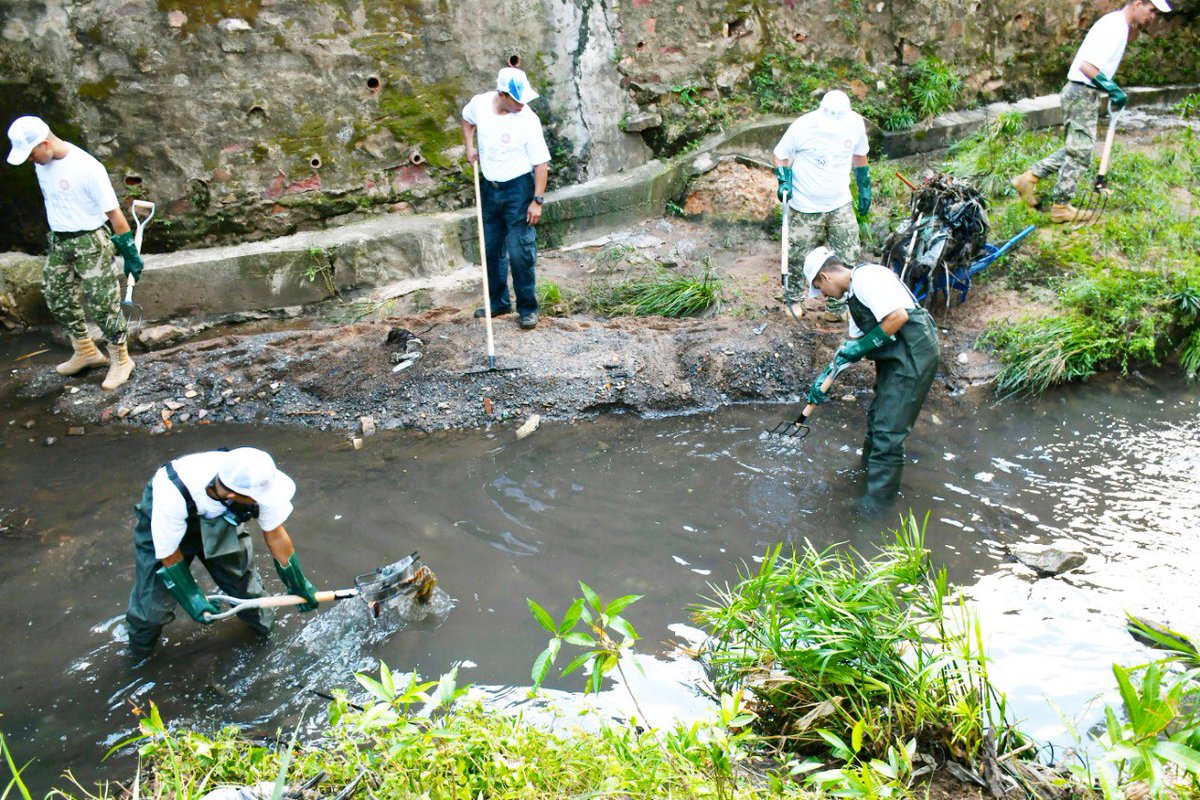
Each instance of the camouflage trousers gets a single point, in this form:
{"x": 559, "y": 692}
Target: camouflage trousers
{"x": 81, "y": 276}
{"x": 837, "y": 230}
{"x": 1081, "y": 110}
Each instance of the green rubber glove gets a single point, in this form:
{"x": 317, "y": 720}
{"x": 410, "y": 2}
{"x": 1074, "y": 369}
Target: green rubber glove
{"x": 815, "y": 395}
{"x": 862, "y": 177}
{"x": 854, "y": 349}
{"x": 179, "y": 581}
{"x": 784, "y": 175}
{"x": 133, "y": 261}
{"x": 1115, "y": 95}
{"x": 293, "y": 578}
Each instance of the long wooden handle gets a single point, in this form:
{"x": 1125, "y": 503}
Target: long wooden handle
{"x": 1108, "y": 143}
{"x": 906, "y": 181}
{"x": 487, "y": 294}
{"x": 283, "y": 600}
{"x": 811, "y": 407}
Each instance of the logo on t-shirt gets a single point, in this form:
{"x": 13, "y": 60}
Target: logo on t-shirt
{"x": 846, "y": 145}
{"x": 505, "y": 138}
{"x": 821, "y": 162}
{"x": 64, "y": 184}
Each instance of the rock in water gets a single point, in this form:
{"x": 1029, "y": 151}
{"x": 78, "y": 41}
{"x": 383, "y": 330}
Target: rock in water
{"x": 1049, "y": 560}
{"x": 529, "y": 427}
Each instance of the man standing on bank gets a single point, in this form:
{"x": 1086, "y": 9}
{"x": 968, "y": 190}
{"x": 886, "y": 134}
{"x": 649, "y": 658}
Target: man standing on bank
{"x": 196, "y": 507}
{"x": 887, "y": 326}
{"x": 1091, "y": 75}
{"x": 813, "y": 162}
{"x": 515, "y": 161}
{"x": 79, "y": 273}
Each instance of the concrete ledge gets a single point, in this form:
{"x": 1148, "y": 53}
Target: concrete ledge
{"x": 304, "y": 267}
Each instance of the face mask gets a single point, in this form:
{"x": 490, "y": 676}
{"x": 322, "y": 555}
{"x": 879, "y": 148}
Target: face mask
{"x": 240, "y": 513}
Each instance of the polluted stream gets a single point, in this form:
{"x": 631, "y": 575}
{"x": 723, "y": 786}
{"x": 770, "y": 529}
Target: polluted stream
{"x": 657, "y": 507}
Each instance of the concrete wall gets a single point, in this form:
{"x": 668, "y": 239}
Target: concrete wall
{"x": 250, "y": 119}
{"x": 292, "y": 270}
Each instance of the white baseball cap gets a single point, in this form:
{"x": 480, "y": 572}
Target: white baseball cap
{"x": 515, "y": 84}
{"x": 1162, "y": 5}
{"x": 25, "y": 134}
{"x": 250, "y": 471}
{"x": 812, "y": 265}
{"x": 835, "y": 103}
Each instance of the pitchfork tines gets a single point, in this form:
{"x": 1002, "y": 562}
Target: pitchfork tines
{"x": 1094, "y": 205}
{"x": 794, "y": 428}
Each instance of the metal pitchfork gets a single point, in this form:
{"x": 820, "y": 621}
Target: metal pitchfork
{"x": 784, "y": 269}
{"x": 381, "y": 589}
{"x": 796, "y": 427}
{"x": 1093, "y": 206}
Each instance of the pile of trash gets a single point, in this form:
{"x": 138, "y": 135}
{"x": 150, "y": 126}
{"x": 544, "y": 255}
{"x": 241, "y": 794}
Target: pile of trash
{"x": 947, "y": 229}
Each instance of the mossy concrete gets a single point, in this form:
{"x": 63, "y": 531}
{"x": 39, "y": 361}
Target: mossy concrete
{"x": 292, "y": 270}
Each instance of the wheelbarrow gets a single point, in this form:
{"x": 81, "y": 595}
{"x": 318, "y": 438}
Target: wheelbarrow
{"x": 959, "y": 280}
{"x": 383, "y": 588}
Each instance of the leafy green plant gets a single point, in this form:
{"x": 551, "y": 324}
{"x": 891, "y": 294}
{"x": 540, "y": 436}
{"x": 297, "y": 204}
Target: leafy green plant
{"x": 689, "y": 95}
{"x": 15, "y": 782}
{"x": 856, "y": 658}
{"x": 656, "y": 292}
{"x": 551, "y": 299}
{"x": 1188, "y": 107}
{"x": 600, "y": 621}
{"x": 1152, "y": 739}
{"x": 934, "y": 86}
{"x": 1189, "y": 355}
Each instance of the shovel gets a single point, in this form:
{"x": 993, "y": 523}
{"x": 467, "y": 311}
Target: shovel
{"x": 487, "y": 298}
{"x": 1093, "y": 206}
{"x": 380, "y": 589}
{"x": 796, "y": 427}
{"x": 140, "y": 223}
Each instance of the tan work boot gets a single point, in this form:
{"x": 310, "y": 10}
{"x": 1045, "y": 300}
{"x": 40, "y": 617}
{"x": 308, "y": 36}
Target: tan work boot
{"x": 86, "y": 355}
{"x": 119, "y": 367}
{"x": 1065, "y": 212}
{"x": 1026, "y": 186}
{"x": 836, "y": 316}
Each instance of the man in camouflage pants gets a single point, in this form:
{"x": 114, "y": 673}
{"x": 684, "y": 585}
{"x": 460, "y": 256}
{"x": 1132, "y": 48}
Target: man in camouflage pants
{"x": 1089, "y": 79}
{"x": 813, "y": 162}
{"x": 80, "y": 274}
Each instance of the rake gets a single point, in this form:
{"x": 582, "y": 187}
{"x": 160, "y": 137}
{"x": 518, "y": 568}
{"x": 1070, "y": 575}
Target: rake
{"x": 1095, "y": 203}
{"x": 383, "y": 588}
{"x": 796, "y": 428}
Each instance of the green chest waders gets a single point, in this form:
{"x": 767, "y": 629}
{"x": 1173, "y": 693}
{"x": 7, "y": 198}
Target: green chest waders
{"x": 904, "y": 371}
{"x": 223, "y": 548}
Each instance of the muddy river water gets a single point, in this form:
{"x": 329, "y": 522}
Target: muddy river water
{"x": 656, "y": 507}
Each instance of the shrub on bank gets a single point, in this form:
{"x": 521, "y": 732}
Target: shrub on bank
{"x": 1127, "y": 289}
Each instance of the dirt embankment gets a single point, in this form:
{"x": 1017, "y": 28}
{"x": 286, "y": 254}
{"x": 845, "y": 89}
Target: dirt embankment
{"x": 330, "y": 374}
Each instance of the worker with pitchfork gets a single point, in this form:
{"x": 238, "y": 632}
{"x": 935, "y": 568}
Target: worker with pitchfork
{"x": 79, "y": 272}
{"x": 888, "y": 326}
{"x": 1089, "y": 79}
{"x": 196, "y": 507}
{"x": 813, "y": 162}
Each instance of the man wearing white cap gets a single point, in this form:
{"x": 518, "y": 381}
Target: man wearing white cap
{"x": 813, "y": 162}
{"x": 513, "y": 156}
{"x": 196, "y": 507}
{"x": 889, "y": 327}
{"x": 1090, "y": 77}
{"x": 79, "y": 273}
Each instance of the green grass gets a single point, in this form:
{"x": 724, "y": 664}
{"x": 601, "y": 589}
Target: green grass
{"x": 862, "y": 655}
{"x": 1116, "y": 285}
{"x": 656, "y": 292}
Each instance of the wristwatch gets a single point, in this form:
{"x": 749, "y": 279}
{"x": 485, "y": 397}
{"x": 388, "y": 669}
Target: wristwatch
{"x": 539, "y": 199}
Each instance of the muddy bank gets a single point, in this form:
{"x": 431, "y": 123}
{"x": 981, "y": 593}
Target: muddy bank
{"x": 329, "y": 374}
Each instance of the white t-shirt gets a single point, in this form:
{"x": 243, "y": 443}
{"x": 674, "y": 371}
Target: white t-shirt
{"x": 1104, "y": 46}
{"x": 819, "y": 147}
{"x": 510, "y": 145}
{"x": 878, "y": 288}
{"x": 168, "y": 518}
{"x": 77, "y": 191}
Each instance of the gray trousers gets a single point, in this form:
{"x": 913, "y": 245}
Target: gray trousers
{"x": 151, "y": 604}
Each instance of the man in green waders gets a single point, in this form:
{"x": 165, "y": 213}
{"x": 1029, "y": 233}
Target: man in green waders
{"x": 889, "y": 327}
{"x": 196, "y": 507}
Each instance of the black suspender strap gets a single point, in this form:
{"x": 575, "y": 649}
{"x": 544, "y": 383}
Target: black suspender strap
{"x": 183, "y": 490}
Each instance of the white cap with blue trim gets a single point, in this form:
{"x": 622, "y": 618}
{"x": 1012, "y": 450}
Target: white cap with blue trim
{"x": 515, "y": 84}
